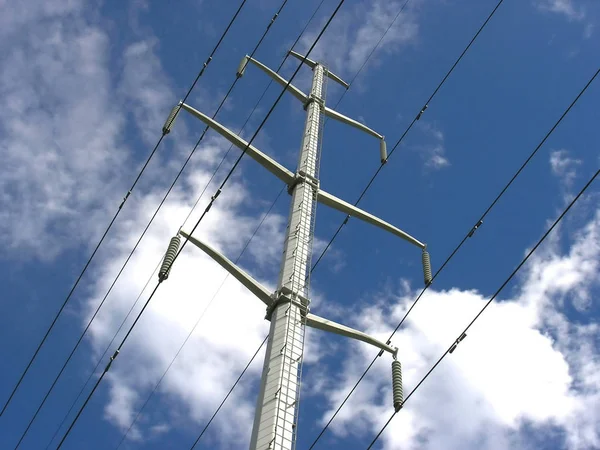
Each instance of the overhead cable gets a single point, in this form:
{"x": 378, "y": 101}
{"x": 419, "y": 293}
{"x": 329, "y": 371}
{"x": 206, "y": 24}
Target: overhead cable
{"x": 165, "y": 131}
{"x": 193, "y": 208}
{"x": 167, "y": 127}
{"x": 461, "y": 336}
{"x": 417, "y": 117}
{"x": 469, "y": 234}
{"x": 207, "y": 209}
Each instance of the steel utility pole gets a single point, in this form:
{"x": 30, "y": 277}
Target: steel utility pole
{"x": 288, "y": 308}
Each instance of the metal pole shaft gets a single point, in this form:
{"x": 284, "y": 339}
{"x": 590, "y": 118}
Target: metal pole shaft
{"x": 277, "y": 406}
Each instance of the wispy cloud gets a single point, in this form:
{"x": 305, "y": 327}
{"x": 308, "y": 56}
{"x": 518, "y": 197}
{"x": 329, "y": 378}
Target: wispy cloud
{"x": 431, "y": 147}
{"x": 356, "y": 31}
{"x": 60, "y": 133}
{"x": 566, "y": 8}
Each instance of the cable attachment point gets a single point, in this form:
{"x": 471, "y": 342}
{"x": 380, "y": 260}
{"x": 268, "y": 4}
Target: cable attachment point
{"x": 427, "y": 278}
{"x": 165, "y": 268}
{"x": 397, "y": 385}
{"x": 421, "y": 112}
{"x": 166, "y": 129}
{"x": 458, "y": 341}
{"x": 474, "y": 229}
{"x": 112, "y": 358}
{"x": 383, "y": 156}
{"x": 125, "y": 199}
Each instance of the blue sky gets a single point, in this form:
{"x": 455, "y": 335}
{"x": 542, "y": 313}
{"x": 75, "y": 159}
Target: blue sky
{"x": 85, "y": 88}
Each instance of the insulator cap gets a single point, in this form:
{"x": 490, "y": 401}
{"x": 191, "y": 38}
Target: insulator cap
{"x": 166, "y": 129}
{"x": 397, "y": 385}
{"x": 165, "y": 268}
{"x": 426, "y": 268}
{"x": 383, "y": 151}
{"x": 242, "y": 67}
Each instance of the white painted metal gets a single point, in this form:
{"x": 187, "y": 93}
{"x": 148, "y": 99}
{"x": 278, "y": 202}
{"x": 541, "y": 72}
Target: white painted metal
{"x": 287, "y": 309}
{"x": 310, "y": 63}
{"x": 345, "y": 207}
{"x": 253, "y": 286}
{"x": 282, "y": 81}
{"x": 274, "y": 424}
{"x": 266, "y": 161}
{"x": 337, "y": 328}
{"x": 348, "y": 121}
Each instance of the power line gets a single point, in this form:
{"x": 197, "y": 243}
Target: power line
{"x": 205, "y": 65}
{"x": 468, "y": 235}
{"x": 514, "y": 272}
{"x": 191, "y": 210}
{"x": 229, "y": 393}
{"x": 198, "y": 321}
{"x": 417, "y": 117}
{"x": 104, "y": 354}
{"x": 189, "y": 214}
{"x": 207, "y": 209}
{"x": 145, "y": 230}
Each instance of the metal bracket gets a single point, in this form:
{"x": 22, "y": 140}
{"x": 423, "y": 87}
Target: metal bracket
{"x": 314, "y": 99}
{"x": 286, "y": 295}
{"x": 303, "y": 177}
{"x": 337, "y": 328}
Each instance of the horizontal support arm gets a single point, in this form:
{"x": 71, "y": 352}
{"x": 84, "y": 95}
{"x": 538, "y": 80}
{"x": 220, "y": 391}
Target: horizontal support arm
{"x": 266, "y": 161}
{"x": 334, "y": 327}
{"x": 353, "y": 123}
{"x": 253, "y": 286}
{"x": 279, "y": 79}
{"x": 310, "y": 63}
{"x": 345, "y": 207}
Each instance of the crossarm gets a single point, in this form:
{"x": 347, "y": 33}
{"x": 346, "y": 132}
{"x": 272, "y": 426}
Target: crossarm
{"x": 253, "y": 286}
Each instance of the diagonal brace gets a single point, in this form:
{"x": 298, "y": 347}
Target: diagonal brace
{"x": 334, "y": 327}
{"x": 348, "y": 121}
{"x": 266, "y": 161}
{"x": 333, "y": 202}
{"x": 278, "y": 78}
{"x": 254, "y": 286}
{"x": 312, "y": 64}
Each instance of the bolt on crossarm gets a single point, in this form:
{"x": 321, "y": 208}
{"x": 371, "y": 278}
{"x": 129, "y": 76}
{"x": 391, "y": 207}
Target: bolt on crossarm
{"x": 288, "y": 307}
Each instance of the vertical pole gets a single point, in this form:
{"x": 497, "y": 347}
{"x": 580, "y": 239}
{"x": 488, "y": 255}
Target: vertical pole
{"x": 276, "y": 410}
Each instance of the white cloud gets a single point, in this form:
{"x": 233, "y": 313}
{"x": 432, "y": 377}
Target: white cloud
{"x": 567, "y": 8}
{"x": 432, "y": 150}
{"x": 523, "y": 362}
{"x": 231, "y": 329}
{"x": 564, "y": 166}
{"x": 355, "y": 32}
{"x": 60, "y": 134}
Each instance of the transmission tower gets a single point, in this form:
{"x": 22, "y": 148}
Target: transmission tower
{"x": 288, "y": 307}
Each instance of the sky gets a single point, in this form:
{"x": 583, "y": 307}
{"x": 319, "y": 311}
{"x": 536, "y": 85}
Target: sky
{"x": 85, "y": 88}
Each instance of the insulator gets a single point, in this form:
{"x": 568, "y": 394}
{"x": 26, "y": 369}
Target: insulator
{"x": 242, "y": 67}
{"x": 166, "y": 129}
{"x": 397, "y": 384}
{"x": 426, "y": 267}
{"x": 163, "y": 274}
{"x": 383, "y": 151}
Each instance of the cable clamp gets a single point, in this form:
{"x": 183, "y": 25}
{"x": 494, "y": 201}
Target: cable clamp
{"x": 477, "y": 225}
{"x": 125, "y": 199}
{"x": 458, "y": 341}
{"x": 421, "y": 112}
